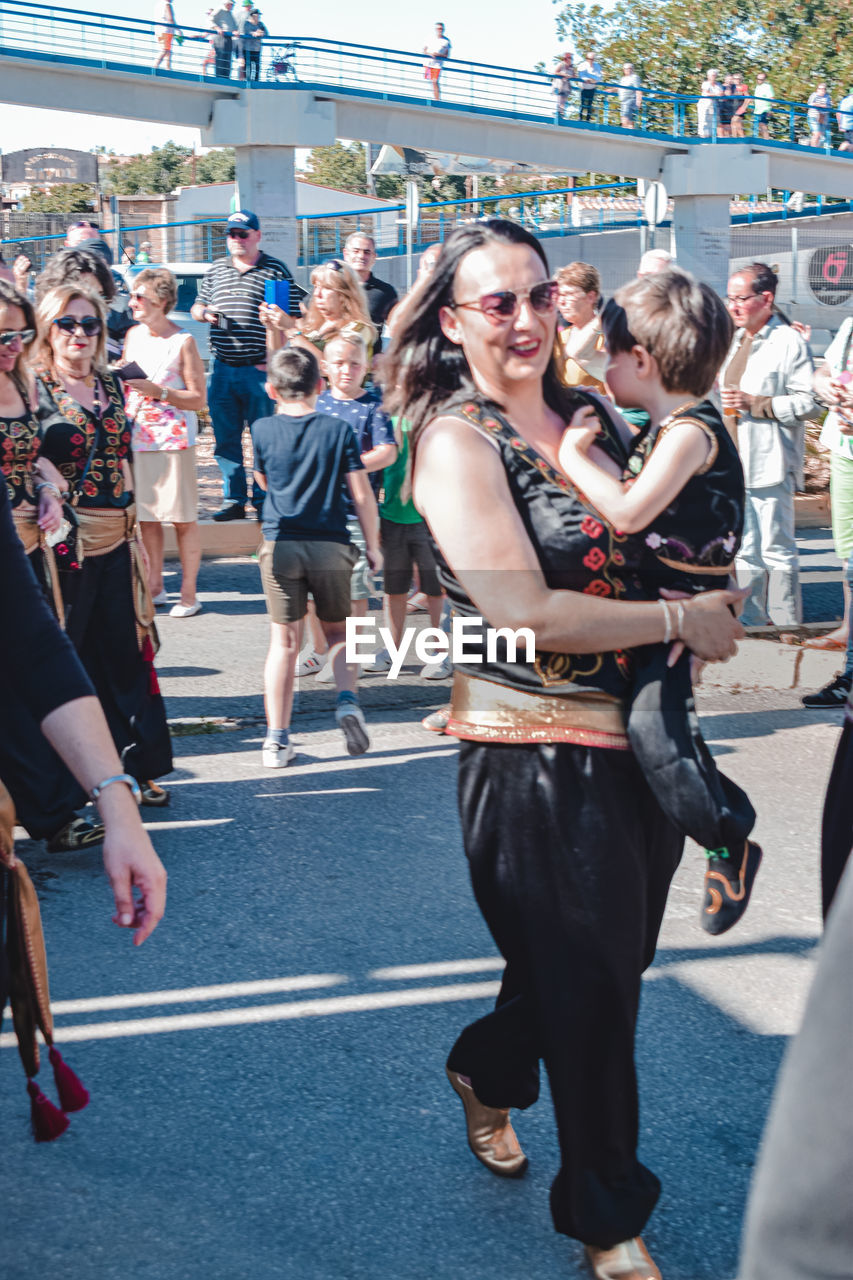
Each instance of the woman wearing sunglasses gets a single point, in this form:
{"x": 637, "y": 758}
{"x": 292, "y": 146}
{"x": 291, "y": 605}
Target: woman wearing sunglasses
{"x": 338, "y": 304}
{"x": 108, "y": 608}
{"x": 45, "y": 794}
{"x": 569, "y": 853}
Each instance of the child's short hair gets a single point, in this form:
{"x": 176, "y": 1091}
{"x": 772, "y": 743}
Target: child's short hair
{"x": 349, "y": 339}
{"x": 294, "y": 373}
{"x": 683, "y": 324}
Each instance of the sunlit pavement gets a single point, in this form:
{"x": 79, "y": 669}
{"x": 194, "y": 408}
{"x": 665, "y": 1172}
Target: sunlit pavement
{"x": 268, "y": 1098}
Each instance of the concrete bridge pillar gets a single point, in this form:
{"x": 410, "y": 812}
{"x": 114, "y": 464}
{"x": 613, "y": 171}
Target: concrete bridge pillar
{"x": 702, "y": 235}
{"x": 264, "y": 126}
{"x": 266, "y": 184}
{"x": 701, "y": 184}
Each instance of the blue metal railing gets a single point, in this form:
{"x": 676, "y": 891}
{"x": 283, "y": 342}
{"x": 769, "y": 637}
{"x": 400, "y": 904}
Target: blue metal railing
{"x": 50, "y": 33}
{"x": 547, "y": 213}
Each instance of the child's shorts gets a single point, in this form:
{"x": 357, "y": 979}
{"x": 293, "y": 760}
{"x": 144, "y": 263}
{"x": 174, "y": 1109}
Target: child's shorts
{"x": 290, "y": 569}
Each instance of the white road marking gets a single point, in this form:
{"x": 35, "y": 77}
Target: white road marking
{"x": 187, "y": 995}
{"x": 442, "y": 969}
{"x": 367, "y": 1003}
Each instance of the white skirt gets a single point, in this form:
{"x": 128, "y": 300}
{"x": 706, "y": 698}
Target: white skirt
{"x": 166, "y": 486}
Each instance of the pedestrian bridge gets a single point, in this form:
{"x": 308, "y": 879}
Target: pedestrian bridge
{"x": 312, "y": 91}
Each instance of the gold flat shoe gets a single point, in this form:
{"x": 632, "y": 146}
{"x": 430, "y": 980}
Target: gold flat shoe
{"x": 626, "y": 1261}
{"x": 491, "y": 1137}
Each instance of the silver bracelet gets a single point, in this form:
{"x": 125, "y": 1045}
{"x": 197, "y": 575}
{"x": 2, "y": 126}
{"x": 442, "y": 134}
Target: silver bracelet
{"x": 679, "y": 620}
{"x": 48, "y": 484}
{"x": 667, "y": 635}
{"x": 118, "y": 777}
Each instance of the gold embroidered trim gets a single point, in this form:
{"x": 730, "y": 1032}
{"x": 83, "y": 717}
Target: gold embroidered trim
{"x": 482, "y": 710}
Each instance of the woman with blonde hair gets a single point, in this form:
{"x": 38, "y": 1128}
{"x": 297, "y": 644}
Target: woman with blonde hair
{"x": 108, "y": 608}
{"x": 582, "y": 341}
{"x": 337, "y": 304}
{"x": 162, "y": 407}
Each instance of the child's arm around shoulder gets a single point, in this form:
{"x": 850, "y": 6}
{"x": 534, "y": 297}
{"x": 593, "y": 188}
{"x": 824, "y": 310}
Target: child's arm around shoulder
{"x": 680, "y": 452}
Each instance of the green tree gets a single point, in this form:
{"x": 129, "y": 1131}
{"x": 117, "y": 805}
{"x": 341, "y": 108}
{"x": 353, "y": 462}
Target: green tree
{"x": 215, "y": 166}
{"x": 341, "y": 165}
{"x": 673, "y": 42}
{"x": 71, "y": 197}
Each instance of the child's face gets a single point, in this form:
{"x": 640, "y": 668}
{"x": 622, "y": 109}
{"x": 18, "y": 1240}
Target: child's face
{"x": 345, "y": 370}
{"x": 621, "y": 376}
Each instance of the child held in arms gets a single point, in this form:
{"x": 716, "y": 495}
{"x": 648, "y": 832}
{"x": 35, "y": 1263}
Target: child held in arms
{"x": 682, "y": 494}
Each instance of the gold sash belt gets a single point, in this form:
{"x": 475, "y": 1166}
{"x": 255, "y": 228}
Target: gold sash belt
{"x": 102, "y": 529}
{"x": 27, "y": 529}
{"x": 483, "y": 711}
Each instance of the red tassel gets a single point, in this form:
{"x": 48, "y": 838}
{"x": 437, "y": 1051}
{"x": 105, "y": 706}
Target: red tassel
{"x": 73, "y": 1094}
{"x": 148, "y": 658}
{"x": 47, "y": 1120}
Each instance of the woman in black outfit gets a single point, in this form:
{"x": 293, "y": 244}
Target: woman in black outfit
{"x": 109, "y": 613}
{"x": 570, "y": 855}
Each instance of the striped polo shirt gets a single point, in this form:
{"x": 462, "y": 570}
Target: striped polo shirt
{"x": 238, "y": 295}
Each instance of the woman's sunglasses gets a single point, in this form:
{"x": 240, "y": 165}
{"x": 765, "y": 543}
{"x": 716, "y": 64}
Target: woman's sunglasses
{"x": 89, "y": 325}
{"x": 235, "y": 234}
{"x": 10, "y": 336}
{"x": 505, "y": 305}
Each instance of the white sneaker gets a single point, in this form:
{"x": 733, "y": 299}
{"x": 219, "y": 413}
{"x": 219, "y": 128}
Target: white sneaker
{"x": 382, "y": 663}
{"x": 350, "y": 717}
{"x": 326, "y": 674}
{"x": 185, "y": 610}
{"x": 309, "y": 663}
{"x": 276, "y": 755}
{"x": 442, "y": 670}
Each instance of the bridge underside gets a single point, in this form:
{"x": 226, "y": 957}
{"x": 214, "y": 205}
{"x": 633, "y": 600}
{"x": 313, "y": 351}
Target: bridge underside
{"x": 266, "y": 124}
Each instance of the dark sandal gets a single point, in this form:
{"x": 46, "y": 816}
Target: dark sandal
{"x": 153, "y": 796}
{"x": 79, "y": 833}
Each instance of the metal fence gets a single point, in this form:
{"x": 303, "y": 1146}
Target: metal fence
{"x": 49, "y": 33}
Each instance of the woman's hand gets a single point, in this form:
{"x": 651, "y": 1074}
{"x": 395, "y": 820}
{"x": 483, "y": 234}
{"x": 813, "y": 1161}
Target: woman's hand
{"x": 710, "y": 629}
{"x": 136, "y": 875}
{"x": 50, "y": 511}
{"x": 582, "y": 431}
{"x": 145, "y": 387}
{"x": 273, "y": 317}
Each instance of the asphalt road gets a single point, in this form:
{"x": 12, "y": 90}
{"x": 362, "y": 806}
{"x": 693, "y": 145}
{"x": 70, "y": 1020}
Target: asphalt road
{"x": 268, "y": 1095}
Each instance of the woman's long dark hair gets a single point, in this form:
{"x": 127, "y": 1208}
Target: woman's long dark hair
{"x": 423, "y": 371}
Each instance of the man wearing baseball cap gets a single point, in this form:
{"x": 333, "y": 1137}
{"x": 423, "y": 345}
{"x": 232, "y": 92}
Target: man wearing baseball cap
{"x": 229, "y": 300}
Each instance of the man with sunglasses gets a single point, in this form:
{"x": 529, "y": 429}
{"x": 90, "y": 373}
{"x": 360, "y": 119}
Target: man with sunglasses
{"x": 229, "y": 300}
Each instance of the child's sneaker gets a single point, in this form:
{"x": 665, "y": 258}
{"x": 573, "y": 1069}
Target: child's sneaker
{"x": 728, "y": 885}
{"x": 309, "y": 662}
{"x": 350, "y": 717}
{"x": 276, "y": 755}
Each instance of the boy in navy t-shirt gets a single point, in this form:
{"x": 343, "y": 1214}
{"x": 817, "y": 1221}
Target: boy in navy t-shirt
{"x": 307, "y": 462}
{"x": 346, "y": 367}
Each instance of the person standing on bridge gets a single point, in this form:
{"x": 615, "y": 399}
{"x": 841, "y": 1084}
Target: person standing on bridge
{"x": 438, "y": 50}
{"x": 165, "y": 29}
{"x": 589, "y": 74}
{"x": 229, "y": 300}
{"x": 764, "y": 98}
{"x": 225, "y": 25}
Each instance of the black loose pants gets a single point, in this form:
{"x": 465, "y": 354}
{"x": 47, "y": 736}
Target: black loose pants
{"x": 571, "y": 860}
